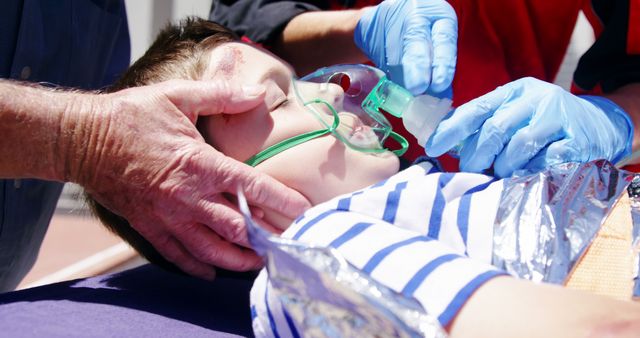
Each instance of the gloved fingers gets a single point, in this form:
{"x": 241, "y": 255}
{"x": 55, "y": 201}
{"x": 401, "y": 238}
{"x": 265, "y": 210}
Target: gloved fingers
{"x": 495, "y": 134}
{"x": 447, "y": 93}
{"x": 479, "y": 152}
{"x": 561, "y": 151}
{"x": 417, "y": 53}
{"x": 444, "y": 35}
{"x": 616, "y": 129}
{"x": 370, "y": 35}
{"x": 465, "y": 121}
{"x": 467, "y": 152}
{"x": 525, "y": 144}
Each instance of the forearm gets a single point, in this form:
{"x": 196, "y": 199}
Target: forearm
{"x": 320, "y": 38}
{"x": 507, "y": 307}
{"x": 628, "y": 97}
{"x": 38, "y": 128}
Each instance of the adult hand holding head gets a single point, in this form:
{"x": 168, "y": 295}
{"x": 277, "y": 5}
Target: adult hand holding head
{"x": 418, "y": 37}
{"x": 532, "y": 124}
{"x": 139, "y": 154}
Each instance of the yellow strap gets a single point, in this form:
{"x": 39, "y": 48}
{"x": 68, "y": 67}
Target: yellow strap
{"x": 606, "y": 268}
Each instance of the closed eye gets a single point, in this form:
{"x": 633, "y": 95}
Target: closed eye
{"x": 281, "y": 104}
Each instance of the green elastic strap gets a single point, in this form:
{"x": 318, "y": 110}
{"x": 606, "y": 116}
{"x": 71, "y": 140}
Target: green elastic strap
{"x": 284, "y": 145}
{"x": 404, "y": 144}
{"x": 296, "y": 140}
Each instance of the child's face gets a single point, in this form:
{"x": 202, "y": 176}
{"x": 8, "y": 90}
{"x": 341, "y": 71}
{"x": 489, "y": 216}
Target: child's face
{"x": 321, "y": 168}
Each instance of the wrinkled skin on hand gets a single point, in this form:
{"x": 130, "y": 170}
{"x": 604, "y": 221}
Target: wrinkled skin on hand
{"x": 140, "y": 155}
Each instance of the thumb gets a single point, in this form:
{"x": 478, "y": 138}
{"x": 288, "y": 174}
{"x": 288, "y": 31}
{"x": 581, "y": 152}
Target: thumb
{"x": 445, "y": 38}
{"x": 417, "y": 54}
{"x": 196, "y": 98}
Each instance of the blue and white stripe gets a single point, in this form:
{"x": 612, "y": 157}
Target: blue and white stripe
{"x": 423, "y": 233}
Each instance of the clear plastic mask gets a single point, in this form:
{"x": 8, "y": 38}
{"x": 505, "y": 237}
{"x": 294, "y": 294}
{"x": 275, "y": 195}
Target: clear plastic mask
{"x": 337, "y": 97}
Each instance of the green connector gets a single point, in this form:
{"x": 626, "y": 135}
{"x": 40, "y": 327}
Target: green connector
{"x": 387, "y": 96}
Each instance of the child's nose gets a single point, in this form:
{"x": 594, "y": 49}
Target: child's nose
{"x": 332, "y": 93}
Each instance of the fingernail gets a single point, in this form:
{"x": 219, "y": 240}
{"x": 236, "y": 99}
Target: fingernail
{"x": 253, "y": 90}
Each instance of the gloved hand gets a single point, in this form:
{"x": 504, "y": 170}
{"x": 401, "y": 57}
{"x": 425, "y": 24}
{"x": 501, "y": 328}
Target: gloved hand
{"x": 414, "y": 42}
{"x": 532, "y": 124}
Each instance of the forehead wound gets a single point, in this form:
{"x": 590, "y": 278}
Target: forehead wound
{"x": 228, "y": 60}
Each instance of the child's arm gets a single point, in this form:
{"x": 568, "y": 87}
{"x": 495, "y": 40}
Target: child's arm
{"x": 508, "y": 307}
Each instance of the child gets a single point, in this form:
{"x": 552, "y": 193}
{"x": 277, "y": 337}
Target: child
{"x": 411, "y": 217}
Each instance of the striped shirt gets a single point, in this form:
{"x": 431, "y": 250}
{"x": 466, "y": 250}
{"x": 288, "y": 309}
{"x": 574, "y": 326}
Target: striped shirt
{"x": 425, "y": 234}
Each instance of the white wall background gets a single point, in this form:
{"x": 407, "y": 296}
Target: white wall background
{"x": 147, "y": 17}
{"x": 581, "y": 40}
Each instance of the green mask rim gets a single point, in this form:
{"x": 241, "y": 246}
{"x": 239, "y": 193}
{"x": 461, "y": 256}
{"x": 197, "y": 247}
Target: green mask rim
{"x": 299, "y": 139}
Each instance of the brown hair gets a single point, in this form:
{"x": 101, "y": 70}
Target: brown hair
{"x": 177, "y": 53}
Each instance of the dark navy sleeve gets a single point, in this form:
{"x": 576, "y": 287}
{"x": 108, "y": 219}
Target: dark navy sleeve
{"x": 9, "y": 26}
{"x": 80, "y": 44}
{"x": 611, "y": 62}
{"x": 261, "y": 21}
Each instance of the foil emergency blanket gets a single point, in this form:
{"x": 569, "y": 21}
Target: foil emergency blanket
{"x": 328, "y": 297}
{"x": 634, "y": 193}
{"x": 545, "y": 221}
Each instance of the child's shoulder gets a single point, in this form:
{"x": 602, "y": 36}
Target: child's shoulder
{"x": 411, "y": 195}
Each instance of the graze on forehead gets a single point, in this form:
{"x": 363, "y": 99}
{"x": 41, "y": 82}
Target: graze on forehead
{"x": 229, "y": 58}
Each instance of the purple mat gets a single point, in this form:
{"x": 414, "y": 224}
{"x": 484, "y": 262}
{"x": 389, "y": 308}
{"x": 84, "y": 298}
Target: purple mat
{"x": 141, "y": 302}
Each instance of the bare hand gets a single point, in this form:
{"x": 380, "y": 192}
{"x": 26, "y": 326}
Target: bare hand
{"x": 143, "y": 159}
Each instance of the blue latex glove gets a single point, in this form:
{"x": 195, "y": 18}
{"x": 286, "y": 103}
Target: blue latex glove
{"x": 414, "y": 42}
{"x": 531, "y": 124}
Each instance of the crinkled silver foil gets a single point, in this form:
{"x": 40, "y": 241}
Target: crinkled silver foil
{"x": 546, "y": 221}
{"x": 328, "y": 297}
{"x": 634, "y": 192}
